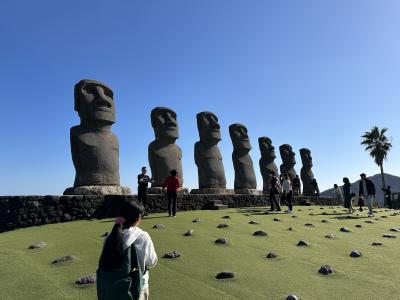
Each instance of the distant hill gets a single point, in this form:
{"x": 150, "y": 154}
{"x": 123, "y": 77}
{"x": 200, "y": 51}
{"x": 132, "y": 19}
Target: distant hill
{"x": 393, "y": 181}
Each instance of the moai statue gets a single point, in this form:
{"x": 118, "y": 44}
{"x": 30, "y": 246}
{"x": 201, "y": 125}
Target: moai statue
{"x": 306, "y": 173}
{"x": 245, "y": 178}
{"x": 94, "y": 147}
{"x": 288, "y": 161}
{"x": 207, "y": 156}
{"x": 267, "y": 161}
{"x": 164, "y": 154}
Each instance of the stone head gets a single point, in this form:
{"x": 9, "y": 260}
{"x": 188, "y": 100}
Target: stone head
{"x": 306, "y": 158}
{"x": 164, "y": 123}
{"x": 208, "y": 126}
{"x": 266, "y": 147}
{"x": 239, "y": 136}
{"x": 94, "y": 101}
{"x": 287, "y": 155}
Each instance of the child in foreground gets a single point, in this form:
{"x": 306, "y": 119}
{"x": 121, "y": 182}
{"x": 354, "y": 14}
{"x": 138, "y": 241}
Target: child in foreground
{"x": 128, "y": 253}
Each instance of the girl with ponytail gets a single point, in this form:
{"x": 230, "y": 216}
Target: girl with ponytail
{"x": 128, "y": 253}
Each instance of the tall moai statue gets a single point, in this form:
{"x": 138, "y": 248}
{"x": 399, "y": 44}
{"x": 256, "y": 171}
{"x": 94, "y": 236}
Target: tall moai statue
{"x": 94, "y": 147}
{"x": 306, "y": 174}
{"x": 164, "y": 154}
{"x": 267, "y": 160}
{"x": 288, "y": 161}
{"x": 245, "y": 178}
{"x": 207, "y": 156}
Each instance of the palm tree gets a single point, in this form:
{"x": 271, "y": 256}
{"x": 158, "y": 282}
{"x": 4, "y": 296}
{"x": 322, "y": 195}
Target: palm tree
{"x": 378, "y": 145}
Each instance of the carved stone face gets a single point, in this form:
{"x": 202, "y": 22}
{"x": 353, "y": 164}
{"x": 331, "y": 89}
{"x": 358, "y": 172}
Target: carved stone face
{"x": 266, "y": 148}
{"x": 239, "y": 136}
{"x": 306, "y": 158}
{"x": 94, "y": 101}
{"x": 207, "y": 124}
{"x": 164, "y": 123}
{"x": 287, "y": 154}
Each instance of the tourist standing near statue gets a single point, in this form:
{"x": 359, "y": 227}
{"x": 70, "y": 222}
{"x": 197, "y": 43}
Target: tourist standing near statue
{"x": 274, "y": 192}
{"x": 127, "y": 255}
{"x": 338, "y": 193}
{"x": 347, "y": 194}
{"x": 143, "y": 183}
{"x": 287, "y": 193}
{"x": 367, "y": 191}
{"x": 297, "y": 185}
{"x": 172, "y": 184}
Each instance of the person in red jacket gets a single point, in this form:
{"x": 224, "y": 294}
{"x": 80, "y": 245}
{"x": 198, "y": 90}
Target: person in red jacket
{"x": 172, "y": 185}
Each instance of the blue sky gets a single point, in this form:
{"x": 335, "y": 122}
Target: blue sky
{"x": 313, "y": 74}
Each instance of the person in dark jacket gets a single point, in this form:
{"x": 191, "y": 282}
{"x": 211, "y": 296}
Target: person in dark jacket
{"x": 367, "y": 191}
{"x": 388, "y": 196}
{"x": 347, "y": 194}
{"x": 274, "y": 190}
{"x": 172, "y": 184}
{"x": 143, "y": 182}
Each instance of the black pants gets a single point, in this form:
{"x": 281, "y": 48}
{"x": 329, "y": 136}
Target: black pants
{"x": 172, "y": 196}
{"x": 142, "y": 196}
{"x": 287, "y": 199}
{"x": 273, "y": 198}
{"x": 389, "y": 201}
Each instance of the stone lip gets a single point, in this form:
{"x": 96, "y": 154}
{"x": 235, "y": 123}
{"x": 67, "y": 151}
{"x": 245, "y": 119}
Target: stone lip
{"x": 98, "y": 190}
{"x": 248, "y": 191}
{"x": 212, "y": 191}
{"x": 159, "y": 190}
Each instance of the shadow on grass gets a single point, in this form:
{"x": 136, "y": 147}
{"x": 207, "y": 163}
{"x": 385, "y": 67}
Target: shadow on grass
{"x": 352, "y": 217}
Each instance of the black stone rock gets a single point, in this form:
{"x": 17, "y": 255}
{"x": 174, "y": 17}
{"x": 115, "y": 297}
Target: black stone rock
{"x": 324, "y": 221}
{"x": 225, "y": 275}
{"x": 376, "y": 244}
{"x": 290, "y": 228}
{"x": 189, "y": 232}
{"x": 309, "y": 225}
{"x": 64, "y": 259}
{"x": 330, "y": 236}
{"x": 272, "y": 255}
{"x": 344, "y": 229}
{"x": 294, "y": 217}
{"x": 221, "y": 241}
{"x": 326, "y": 270}
{"x": 159, "y": 226}
{"x": 302, "y": 243}
{"x": 38, "y": 245}
{"x": 292, "y": 297}
{"x": 88, "y": 279}
{"x": 172, "y": 255}
{"x": 105, "y": 234}
{"x": 254, "y": 223}
{"x": 260, "y": 233}
{"x": 276, "y": 220}
{"x": 358, "y": 226}
{"x": 197, "y": 220}
{"x": 388, "y": 235}
{"x": 355, "y": 253}
{"x": 222, "y": 226}
{"x": 226, "y": 217}
{"x": 369, "y": 221}
{"x": 67, "y": 217}
{"x": 395, "y": 229}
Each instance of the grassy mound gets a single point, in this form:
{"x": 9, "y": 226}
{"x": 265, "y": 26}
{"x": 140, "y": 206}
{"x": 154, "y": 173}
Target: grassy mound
{"x": 29, "y": 273}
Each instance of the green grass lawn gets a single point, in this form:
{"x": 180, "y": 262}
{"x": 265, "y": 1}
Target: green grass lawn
{"x": 28, "y": 274}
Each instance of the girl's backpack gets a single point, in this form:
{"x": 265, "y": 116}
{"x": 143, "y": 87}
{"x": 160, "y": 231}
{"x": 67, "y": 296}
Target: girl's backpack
{"x": 124, "y": 283}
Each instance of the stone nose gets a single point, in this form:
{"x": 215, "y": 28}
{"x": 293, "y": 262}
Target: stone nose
{"x": 170, "y": 120}
{"x": 102, "y": 97}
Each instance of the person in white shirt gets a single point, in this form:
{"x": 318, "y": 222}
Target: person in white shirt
{"x": 287, "y": 192}
{"x": 127, "y": 234}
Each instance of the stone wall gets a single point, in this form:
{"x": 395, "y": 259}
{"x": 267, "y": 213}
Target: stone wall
{"x": 25, "y": 211}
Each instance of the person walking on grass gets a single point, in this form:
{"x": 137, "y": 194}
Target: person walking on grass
{"x": 338, "y": 193}
{"x": 274, "y": 191}
{"x": 367, "y": 191}
{"x": 287, "y": 193}
{"x": 143, "y": 183}
{"x": 388, "y": 196}
{"x": 127, "y": 255}
{"x": 347, "y": 194}
{"x": 297, "y": 186}
{"x": 172, "y": 184}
